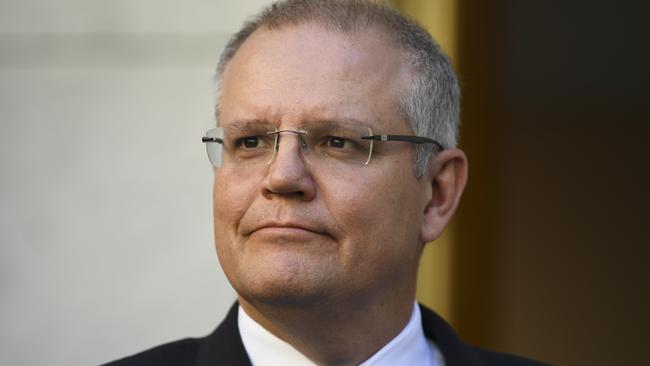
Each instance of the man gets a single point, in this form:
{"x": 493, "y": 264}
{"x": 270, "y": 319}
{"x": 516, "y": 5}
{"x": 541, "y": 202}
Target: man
{"x": 335, "y": 162}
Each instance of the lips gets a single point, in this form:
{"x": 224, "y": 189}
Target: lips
{"x": 286, "y": 226}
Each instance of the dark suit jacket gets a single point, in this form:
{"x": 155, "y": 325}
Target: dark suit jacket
{"x": 224, "y": 347}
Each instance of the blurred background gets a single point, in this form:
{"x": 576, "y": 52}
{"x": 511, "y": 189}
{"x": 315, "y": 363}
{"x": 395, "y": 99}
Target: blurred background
{"x": 106, "y": 214}
{"x": 105, "y": 191}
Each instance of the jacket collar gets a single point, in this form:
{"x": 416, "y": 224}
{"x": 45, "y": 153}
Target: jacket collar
{"x": 454, "y": 351}
{"x": 224, "y": 346}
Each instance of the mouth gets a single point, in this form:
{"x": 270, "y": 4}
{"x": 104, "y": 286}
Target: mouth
{"x": 287, "y": 229}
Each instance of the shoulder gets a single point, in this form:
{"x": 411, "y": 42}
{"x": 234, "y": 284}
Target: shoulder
{"x": 222, "y": 347}
{"x": 503, "y": 359}
{"x": 456, "y": 352}
{"x": 182, "y": 352}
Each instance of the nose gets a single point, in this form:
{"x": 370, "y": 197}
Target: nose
{"x": 287, "y": 173}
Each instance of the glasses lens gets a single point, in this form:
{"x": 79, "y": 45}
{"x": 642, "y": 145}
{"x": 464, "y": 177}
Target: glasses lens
{"x": 213, "y": 147}
{"x": 337, "y": 144}
{"x": 248, "y": 145}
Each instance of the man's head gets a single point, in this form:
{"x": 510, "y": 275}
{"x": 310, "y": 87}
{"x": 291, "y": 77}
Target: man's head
{"x": 300, "y": 230}
{"x": 431, "y": 100}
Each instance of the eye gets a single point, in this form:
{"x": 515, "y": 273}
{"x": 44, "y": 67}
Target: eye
{"x": 249, "y": 142}
{"x": 336, "y": 142}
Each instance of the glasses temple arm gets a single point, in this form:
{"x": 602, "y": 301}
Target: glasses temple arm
{"x": 211, "y": 139}
{"x": 407, "y": 138}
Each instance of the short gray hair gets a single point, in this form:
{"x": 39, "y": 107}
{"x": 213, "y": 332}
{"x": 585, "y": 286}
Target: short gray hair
{"x": 431, "y": 103}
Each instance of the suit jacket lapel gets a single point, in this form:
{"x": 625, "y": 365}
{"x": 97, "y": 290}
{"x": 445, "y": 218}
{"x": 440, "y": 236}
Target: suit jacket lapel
{"x": 454, "y": 351}
{"x": 224, "y": 346}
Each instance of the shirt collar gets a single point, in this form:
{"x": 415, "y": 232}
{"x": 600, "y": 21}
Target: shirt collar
{"x": 410, "y": 347}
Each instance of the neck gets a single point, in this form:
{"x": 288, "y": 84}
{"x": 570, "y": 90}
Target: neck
{"x": 333, "y": 333}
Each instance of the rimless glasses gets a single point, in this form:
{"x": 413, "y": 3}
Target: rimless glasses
{"x": 324, "y": 144}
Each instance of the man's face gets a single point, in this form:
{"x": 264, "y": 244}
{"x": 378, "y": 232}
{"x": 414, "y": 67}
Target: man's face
{"x": 289, "y": 232}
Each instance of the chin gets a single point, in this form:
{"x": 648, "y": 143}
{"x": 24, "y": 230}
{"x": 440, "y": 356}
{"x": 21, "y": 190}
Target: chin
{"x": 285, "y": 285}
{"x": 285, "y": 272}
{"x": 282, "y": 294}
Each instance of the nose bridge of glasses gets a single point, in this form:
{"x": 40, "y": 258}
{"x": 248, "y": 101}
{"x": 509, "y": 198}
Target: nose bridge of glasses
{"x": 299, "y": 134}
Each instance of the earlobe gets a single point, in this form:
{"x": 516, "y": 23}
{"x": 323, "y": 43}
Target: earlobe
{"x": 447, "y": 177}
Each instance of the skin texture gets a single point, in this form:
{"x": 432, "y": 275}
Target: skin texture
{"x": 327, "y": 262}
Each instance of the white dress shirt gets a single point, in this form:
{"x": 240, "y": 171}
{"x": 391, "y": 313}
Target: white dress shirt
{"x": 409, "y": 348}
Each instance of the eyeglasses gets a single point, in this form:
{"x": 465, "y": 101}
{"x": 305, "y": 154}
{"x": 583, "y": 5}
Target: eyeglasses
{"x": 251, "y": 145}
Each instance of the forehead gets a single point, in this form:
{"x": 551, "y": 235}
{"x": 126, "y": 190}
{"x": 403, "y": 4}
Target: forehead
{"x": 308, "y": 72}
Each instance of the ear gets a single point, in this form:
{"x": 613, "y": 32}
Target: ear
{"x": 446, "y": 177}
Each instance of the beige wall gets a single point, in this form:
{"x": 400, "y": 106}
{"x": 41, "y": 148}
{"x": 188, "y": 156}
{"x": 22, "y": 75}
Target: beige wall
{"x": 105, "y": 189}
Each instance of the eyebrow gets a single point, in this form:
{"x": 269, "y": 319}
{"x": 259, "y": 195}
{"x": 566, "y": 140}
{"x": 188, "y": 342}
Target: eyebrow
{"x": 336, "y": 121}
{"x": 247, "y": 124}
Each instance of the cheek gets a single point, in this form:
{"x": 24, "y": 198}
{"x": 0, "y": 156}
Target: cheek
{"x": 230, "y": 201}
{"x": 378, "y": 213}
{"x": 231, "y": 198}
